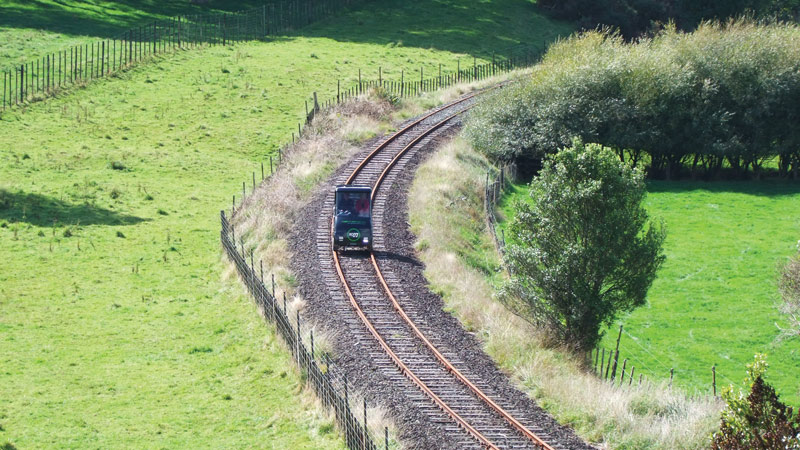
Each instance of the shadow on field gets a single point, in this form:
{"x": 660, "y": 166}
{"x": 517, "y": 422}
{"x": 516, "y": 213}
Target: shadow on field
{"x": 473, "y": 27}
{"x": 476, "y": 28}
{"x": 43, "y": 211}
{"x": 105, "y": 18}
{"x": 766, "y": 188}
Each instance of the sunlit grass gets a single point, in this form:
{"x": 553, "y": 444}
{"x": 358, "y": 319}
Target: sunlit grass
{"x": 714, "y": 301}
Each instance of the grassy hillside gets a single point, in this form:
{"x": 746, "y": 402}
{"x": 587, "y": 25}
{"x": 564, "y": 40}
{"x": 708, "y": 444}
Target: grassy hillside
{"x": 31, "y": 29}
{"x": 116, "y": 326}
{"x": 714, "y": 300}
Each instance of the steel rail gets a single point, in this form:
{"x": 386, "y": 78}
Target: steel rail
{"x": 442, "y": 359}
{"x": 398, "y": 308}
{"x": 403, "y": 130}
{"x": 403, "y": 368}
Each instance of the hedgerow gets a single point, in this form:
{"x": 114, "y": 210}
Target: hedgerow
{"x": 724, "y": 96}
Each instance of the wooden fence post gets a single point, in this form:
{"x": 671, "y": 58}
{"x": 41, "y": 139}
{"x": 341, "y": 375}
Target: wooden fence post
{"x": 616, "y": 355}
{"x": 602, "y": 362}
{"x": 714, "y": 379}
{"x": 299, "y": 336}
{"x": 596, "y": 351}
{"x": 622, "y": 375}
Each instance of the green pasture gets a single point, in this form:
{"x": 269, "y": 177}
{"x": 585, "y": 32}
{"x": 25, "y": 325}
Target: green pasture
{"x": 714, "y": 301}
{"x": 116, "y": 326}
{"x": 31, "y": 29}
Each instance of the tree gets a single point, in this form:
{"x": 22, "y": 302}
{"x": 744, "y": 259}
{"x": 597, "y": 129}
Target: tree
{"x": 583, "y": 249}
{"x": 757, "y": 420}
{"x": 789, "y": 286}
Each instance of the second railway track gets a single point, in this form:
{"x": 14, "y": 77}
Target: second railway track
{"x": 451, "y": 396}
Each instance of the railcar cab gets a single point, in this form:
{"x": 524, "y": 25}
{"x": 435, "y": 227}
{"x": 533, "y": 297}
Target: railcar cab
{"x": 352, "y": 223}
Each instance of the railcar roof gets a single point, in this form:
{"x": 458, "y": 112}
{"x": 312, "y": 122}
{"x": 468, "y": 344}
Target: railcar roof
{"x": 344, "y": 188}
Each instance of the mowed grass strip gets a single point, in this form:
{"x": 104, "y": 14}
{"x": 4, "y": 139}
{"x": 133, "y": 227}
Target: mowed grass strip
{"x": 714, "y": 302}
{"x": 116, "y": 328}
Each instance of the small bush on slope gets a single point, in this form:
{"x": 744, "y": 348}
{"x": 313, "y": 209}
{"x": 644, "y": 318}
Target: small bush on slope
{"x": 756, "y": 420}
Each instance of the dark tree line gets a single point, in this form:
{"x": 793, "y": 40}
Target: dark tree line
{"x": 722, "y": 100}
{"x": 634, "y": 17}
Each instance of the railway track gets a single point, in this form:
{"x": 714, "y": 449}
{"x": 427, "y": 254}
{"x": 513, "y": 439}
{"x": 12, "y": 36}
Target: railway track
{"x": 472, "y": 413}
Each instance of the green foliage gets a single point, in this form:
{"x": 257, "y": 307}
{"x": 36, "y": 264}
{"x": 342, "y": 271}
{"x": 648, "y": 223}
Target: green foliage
{"x": 631, "y": 16}
{"x": 722, "y": 95}
{"x": 584, "y": 249}
{"x": 756, "y": 420}
{"x": 634, "y": 17}
{"x": 789, "y": 286}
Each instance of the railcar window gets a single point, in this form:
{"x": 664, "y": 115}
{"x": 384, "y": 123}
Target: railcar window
{"x": 352, "y": 203}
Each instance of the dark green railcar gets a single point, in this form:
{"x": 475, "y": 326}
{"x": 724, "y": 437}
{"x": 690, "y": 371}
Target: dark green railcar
{"x": 352, "y": 223}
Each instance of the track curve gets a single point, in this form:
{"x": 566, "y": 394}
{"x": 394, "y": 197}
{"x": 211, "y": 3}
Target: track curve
{"x": 486, "y": 430}
{"x": 449, "y": 401}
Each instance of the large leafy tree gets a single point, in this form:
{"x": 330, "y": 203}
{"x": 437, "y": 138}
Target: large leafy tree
{"x": 583, "y": 249}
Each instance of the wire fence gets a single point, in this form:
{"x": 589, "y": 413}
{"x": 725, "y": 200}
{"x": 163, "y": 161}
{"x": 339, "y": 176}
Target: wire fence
{"x": 605, "y": 363}
{"x": 412, "y": 84}
{"x": 332, "y": 390}
{"x": 81, "y": 64}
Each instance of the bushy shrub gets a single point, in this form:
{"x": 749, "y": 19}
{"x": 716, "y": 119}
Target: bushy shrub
{"x": 583, "y": 249}
{"x": 722, "y": 95}
{"x": 756, "y": 420}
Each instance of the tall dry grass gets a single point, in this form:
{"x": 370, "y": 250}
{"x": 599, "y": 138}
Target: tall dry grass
{"x": 446, "y": 213}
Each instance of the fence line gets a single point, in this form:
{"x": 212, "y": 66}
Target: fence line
{"x": 85, "y": 62}
{"x": 331, "y": 389}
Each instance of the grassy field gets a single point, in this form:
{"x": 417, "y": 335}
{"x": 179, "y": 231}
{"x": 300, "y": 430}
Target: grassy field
{"x": 117, "y": 327}
{"x": 30, "y": 29}
{"x": 714, "y": 301}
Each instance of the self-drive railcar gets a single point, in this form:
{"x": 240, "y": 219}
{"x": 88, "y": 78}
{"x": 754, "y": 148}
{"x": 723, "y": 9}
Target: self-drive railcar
{"x": 352, "y": 223}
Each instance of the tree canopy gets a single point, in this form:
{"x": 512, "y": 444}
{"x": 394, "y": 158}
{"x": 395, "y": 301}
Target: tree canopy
{"x": 724, "y": 96}
{"x": 583, "y": 249}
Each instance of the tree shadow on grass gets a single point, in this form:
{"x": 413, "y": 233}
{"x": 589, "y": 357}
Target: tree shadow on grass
{"x": 477, "y": 28}
{"x": 108, "y": 19}
{"x": 42, "y": 211}
{"x": 765, "y": 188}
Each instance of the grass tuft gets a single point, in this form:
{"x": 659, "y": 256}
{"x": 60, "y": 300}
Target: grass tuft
{"x": 118, "y": 165}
